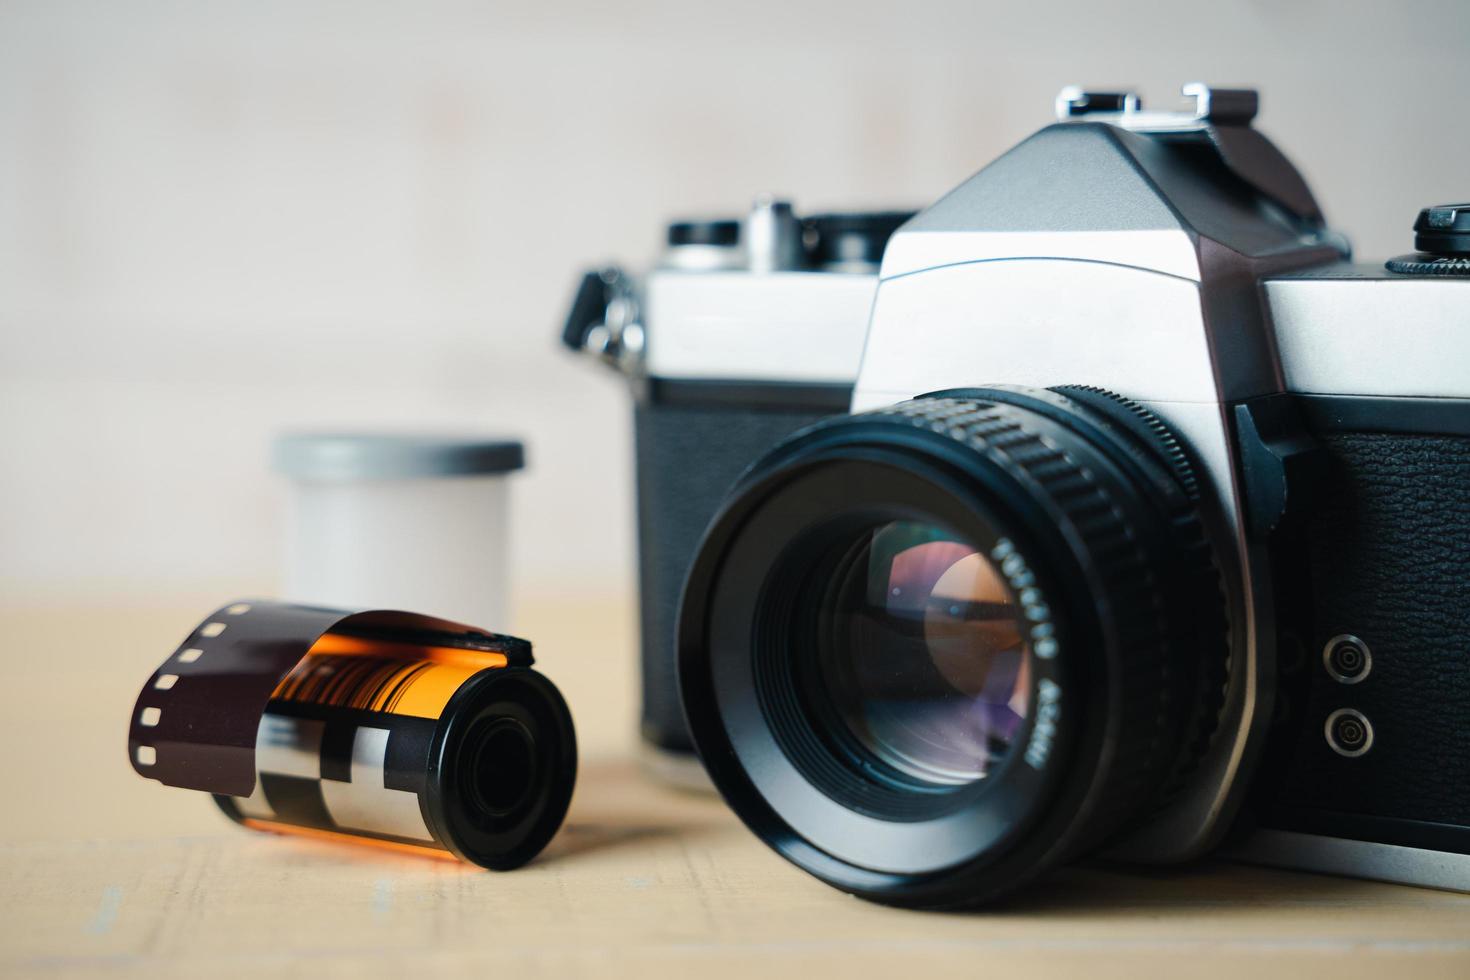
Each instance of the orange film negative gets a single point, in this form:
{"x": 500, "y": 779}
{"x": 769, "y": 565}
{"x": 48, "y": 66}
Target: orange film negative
{"x": 379, "y": 727}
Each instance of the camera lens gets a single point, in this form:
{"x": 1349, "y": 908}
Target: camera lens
{"x": 922, "y": 655}
{"x": 929, "y": 652}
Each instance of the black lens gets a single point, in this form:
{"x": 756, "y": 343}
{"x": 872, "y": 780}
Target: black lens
{"x": 930, "y": 651}
{"x": 922, "y": 654}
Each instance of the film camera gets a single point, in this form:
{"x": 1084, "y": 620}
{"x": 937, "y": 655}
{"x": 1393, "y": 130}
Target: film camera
{"x": 1149, "y": 532}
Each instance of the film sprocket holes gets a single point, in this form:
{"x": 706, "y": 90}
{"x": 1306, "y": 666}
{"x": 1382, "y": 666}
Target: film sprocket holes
{"x": 375, "y": 727}
{"x": 1136, "y": 452}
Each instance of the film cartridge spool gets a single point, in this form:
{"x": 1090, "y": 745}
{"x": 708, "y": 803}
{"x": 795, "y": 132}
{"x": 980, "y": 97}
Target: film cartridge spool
{"x": 377, "y": 727}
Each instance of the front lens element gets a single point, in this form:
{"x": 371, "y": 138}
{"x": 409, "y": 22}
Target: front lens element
{"x": 920, "y": 653}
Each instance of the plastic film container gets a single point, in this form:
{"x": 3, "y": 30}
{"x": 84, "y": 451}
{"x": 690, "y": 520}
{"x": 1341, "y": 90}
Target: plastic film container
{"x": 399, "y": 521}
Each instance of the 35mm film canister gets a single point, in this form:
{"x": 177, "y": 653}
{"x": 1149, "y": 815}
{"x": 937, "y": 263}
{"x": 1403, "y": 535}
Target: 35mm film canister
{"x": 378, "y": 727}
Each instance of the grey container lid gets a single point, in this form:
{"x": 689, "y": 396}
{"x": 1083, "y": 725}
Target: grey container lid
{"x": 391, "y": 456}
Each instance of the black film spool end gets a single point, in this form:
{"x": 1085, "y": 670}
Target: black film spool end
{"x": 501, "y": 768}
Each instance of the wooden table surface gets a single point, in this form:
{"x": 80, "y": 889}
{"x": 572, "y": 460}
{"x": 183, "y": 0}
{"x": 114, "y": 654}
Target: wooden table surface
{"x": 105, "y": 873}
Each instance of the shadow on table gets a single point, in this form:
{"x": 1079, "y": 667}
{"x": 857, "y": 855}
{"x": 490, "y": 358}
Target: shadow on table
{"x": 1217, "y": 886}
{"x": 616, "y": 805}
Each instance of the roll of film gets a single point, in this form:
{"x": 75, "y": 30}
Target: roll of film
{"x": 386, "y": 728}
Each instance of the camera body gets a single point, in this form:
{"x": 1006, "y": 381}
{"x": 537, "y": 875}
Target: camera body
{"x": 1181, "y": 261}
{"x": 744, "y": 331}
{"x": 1195, "y": 490}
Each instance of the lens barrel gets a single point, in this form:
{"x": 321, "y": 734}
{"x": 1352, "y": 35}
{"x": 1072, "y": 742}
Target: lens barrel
{"x": 930, "y": 651}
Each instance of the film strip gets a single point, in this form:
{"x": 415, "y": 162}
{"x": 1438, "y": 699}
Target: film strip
{"x": 381, "y": 727}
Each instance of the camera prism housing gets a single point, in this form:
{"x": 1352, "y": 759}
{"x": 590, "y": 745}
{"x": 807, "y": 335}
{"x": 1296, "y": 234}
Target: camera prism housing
{"x": 1149, "y": 534}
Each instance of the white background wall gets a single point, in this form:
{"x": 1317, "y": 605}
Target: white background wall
{"x": 217, "y": 220}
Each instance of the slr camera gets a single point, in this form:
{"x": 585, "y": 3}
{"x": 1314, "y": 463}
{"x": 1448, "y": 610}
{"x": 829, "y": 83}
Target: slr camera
{"x": 1148, "y": 533}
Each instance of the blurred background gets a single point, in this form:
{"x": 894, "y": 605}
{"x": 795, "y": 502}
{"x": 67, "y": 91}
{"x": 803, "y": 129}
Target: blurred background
{"x": 219, "y": 220}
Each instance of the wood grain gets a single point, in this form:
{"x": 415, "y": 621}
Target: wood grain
{"x": 103, "y": 873}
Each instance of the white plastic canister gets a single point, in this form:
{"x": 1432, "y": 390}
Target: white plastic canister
{"x": 412, "y": 522}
